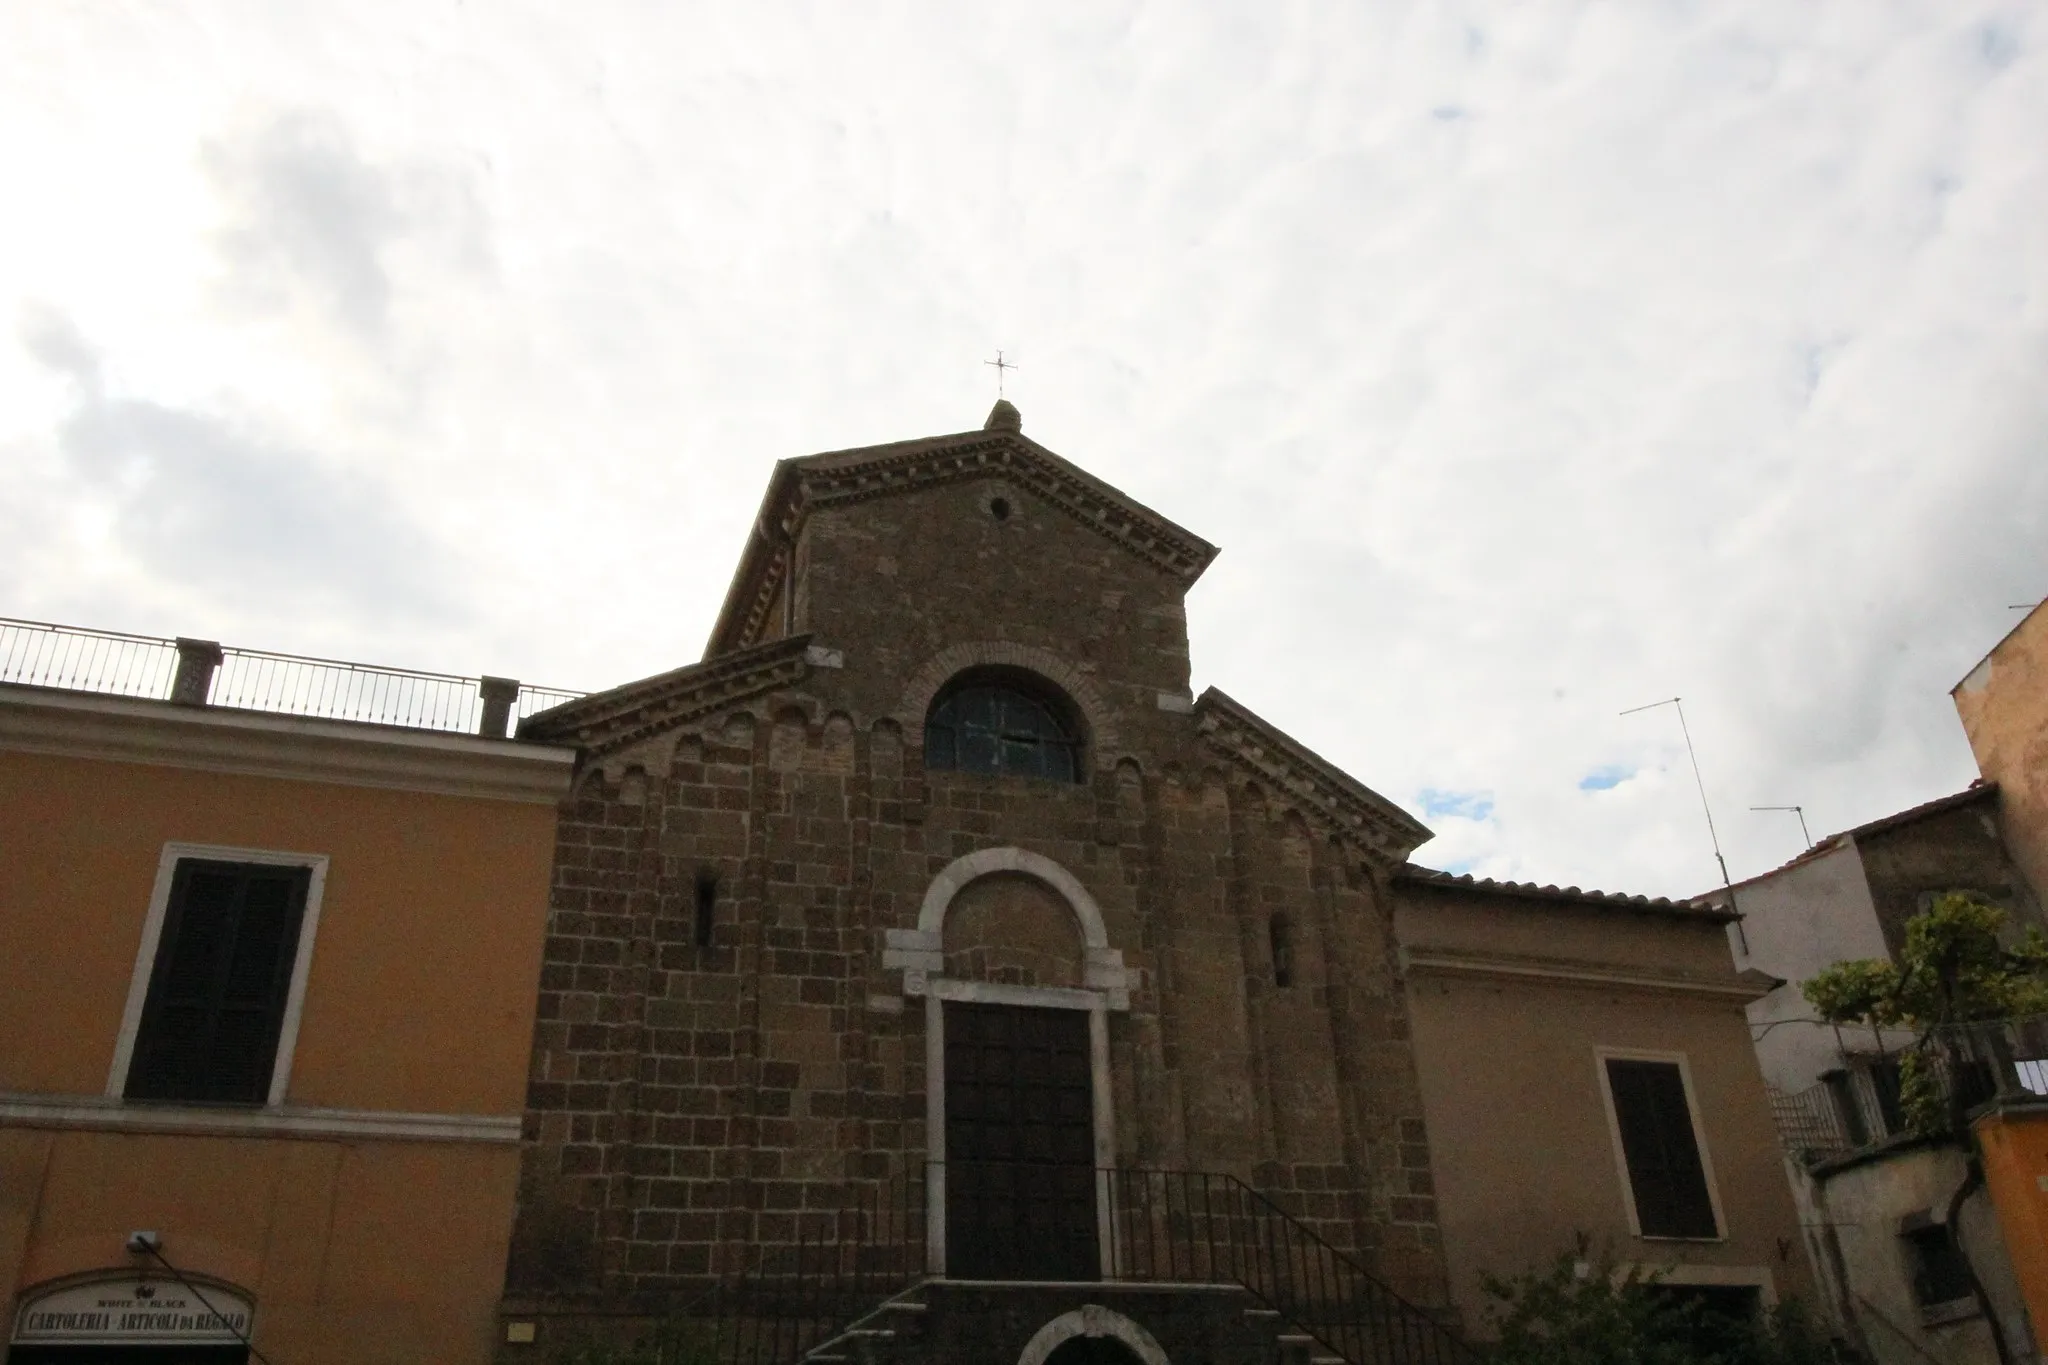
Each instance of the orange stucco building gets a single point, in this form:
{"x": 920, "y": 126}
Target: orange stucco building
{"x": 2003, "y": 704}
{"x": 267, "y": 986}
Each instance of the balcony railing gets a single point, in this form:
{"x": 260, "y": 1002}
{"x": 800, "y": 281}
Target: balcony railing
{"x": 1860, "y": 1103}
{"x": 200, "y": 672}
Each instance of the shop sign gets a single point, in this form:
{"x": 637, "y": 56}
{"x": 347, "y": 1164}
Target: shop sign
{"x": 143, "y": 1309}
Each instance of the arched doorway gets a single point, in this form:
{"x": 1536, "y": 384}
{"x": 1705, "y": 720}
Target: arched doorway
{"x": 1092, "y": 1335}
{"x": 1092, "y": 1351}
{"x": 1017, "y": 1093}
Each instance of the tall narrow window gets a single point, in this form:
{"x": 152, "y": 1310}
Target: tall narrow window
{"x": 1004, "y": 723}
{"x": 1842, "y": 1090}
{"x": 1280, "y": 935}
{"x": 217, "y": 991}
{"x": 1665, "y": 1173}
{"x": 707, "y": 906}
{"x": 1887, "y": 1082}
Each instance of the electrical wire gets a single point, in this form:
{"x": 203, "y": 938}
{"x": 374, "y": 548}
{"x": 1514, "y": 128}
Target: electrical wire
{"x": 218, "y": 1316}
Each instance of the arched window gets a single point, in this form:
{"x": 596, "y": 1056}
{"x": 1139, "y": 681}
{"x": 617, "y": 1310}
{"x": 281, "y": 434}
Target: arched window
{"x": 1003, "y": 723}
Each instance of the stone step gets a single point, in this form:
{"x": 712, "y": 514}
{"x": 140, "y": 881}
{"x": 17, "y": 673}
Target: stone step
{"x": 1296, "y": 1348}
{"x": 854, "y": 1343}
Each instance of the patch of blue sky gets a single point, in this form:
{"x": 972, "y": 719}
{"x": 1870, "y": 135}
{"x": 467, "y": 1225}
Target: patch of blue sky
{"x": 1438, "y": 804}
{"x": 1602, "y": 779}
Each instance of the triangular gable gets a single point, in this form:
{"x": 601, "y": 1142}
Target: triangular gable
{"x": 1324, "y": 792}
{"x": 840, "y": 477}
{"x": 605, "y": 722}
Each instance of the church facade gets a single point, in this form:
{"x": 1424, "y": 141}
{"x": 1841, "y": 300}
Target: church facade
{"x": 931, "y": 908}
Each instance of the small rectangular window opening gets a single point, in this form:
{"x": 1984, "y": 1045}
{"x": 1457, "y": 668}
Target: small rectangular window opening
{"x": 1281, "y": 934}
{"x": 1939, "y": 1274}
{"x": 707, "y": 907}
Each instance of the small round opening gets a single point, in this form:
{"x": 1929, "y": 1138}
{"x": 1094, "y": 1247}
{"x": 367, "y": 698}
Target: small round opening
{"x": 1000, "y": 509}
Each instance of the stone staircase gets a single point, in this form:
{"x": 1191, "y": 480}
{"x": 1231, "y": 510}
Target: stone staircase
{"x": 943, "y": 1322}
{"x": 880, "y": 1336}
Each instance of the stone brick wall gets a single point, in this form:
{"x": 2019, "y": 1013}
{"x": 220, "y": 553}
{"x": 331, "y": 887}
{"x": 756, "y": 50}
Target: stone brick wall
{"x": 1956, "y": 849}
{"x": 694, "y": 1102}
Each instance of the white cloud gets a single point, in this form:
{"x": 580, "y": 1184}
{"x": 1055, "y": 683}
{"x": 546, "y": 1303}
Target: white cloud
{"x": 1530, "y": 362}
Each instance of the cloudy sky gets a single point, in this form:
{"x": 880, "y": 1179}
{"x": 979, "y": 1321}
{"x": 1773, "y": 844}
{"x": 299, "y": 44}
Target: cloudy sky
{"x": 1529, "y": 361}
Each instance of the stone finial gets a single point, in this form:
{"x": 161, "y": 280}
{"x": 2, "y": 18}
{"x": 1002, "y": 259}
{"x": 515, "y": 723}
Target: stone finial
{"x": 1004, "y": 417}
{"x": 499, "y": 696}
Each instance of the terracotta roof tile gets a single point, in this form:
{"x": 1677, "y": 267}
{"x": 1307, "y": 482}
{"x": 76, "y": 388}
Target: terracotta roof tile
{"x": 1978, "y": 790}
{"x": 1601, "y": 900}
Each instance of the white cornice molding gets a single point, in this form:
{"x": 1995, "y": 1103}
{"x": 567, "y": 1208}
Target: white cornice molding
{"x": 297, "y": 748}
{"x": 1554, "y": 971}
{"x": 100, "y": 1114}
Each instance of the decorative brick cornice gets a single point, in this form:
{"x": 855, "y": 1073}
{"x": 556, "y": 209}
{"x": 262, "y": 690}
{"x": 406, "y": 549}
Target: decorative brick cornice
{"x": 1322, "y": 791}
{"x": 841, "y": 478}
{"x": 604, "y": 722}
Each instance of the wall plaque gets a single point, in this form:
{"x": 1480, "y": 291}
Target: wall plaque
{"x": 144, "y": 1309}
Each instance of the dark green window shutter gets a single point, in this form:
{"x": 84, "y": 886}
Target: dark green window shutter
{"x": 1664, "y": 1169}
{"x": 215, "y": 1007}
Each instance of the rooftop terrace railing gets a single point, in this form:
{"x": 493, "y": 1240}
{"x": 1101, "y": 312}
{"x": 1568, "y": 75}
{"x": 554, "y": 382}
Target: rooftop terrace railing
{"x": 81, "y": 660}
{"x": 204, "y": 673}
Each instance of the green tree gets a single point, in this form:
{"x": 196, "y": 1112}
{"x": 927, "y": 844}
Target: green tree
{"x": 1955, "y": 981}
{"x": 1580, "y": 1311}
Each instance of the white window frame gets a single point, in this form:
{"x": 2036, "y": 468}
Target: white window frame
{"x": 1684, "y": 1276}
{"x": 1603, "y": 1055}
{"x": 152, "y": 934}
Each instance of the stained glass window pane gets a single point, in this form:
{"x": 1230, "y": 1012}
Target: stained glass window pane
{"x": 1000, "y": 731}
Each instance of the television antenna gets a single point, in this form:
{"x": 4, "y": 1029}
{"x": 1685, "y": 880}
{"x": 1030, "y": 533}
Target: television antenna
{"x": 1799, "y": 811}
{"x": 1698, "y": 781}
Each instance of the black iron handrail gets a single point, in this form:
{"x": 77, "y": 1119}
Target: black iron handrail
{"x": 1208, "y": 1227}
{"x": 784, "y": 1301}
{"x": 1162, "y": 1227}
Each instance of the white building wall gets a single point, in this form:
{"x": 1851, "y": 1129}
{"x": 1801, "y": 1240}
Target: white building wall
{"x": 1797, "y": 922}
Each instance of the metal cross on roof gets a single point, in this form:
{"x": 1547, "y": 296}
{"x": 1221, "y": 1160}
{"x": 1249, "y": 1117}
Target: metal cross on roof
{"x": 1001, "y": 365}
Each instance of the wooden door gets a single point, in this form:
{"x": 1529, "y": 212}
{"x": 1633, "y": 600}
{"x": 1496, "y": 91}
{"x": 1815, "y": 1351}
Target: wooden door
{"x": 1020, "y": 1144}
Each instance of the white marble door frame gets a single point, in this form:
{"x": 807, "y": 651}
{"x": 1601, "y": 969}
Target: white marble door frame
{"x": 920, "y": 954}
